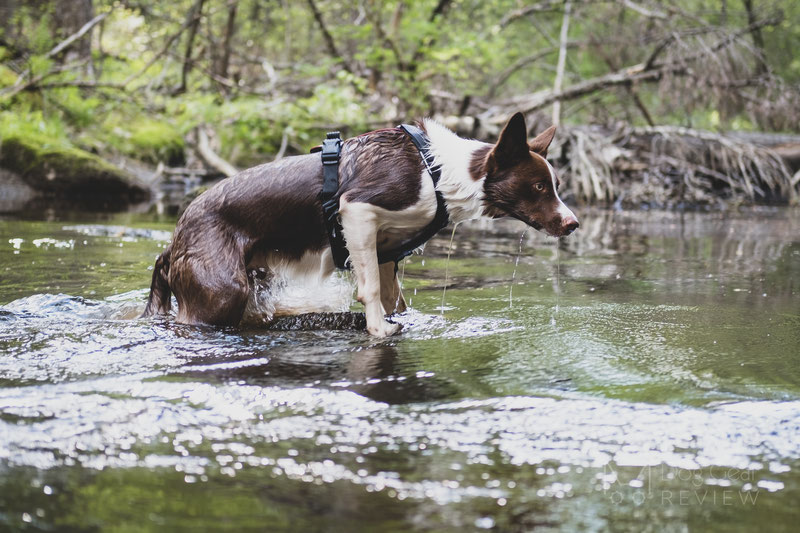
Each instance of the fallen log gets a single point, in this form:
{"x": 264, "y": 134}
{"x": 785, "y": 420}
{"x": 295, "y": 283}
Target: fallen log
{"x": 210, "y": 157}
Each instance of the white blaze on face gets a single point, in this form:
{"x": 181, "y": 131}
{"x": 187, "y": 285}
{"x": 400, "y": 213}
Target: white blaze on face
{"x": 563, "y": 211}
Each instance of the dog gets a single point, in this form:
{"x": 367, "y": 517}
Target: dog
{"x": 272, "y": 215}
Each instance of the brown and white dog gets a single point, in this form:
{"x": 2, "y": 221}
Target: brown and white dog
{"x": 270, "y": 217}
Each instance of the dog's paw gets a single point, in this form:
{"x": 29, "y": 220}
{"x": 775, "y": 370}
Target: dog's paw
{"x": 384, "y": 329}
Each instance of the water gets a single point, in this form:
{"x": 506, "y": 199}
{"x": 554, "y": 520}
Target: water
{"x": 442, "y": 307}
{"x": 667, "y": 399}
{"x": 514, "y": 273}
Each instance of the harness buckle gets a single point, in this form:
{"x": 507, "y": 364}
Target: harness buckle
{"x": 331, "y": 148}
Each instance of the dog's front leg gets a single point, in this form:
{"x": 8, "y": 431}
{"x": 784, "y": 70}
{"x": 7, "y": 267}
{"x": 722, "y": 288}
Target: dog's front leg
{"x": 360, "y": 226}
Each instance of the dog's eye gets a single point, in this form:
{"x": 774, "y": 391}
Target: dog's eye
{"x": 539, "y": 187}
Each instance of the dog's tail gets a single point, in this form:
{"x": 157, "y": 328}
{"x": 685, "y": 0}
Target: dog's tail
{"x": 159, "y": 302}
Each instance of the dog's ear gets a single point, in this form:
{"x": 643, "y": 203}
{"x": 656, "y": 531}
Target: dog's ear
{"x": 512, "y": 146}
{"x": 542, "y": 141}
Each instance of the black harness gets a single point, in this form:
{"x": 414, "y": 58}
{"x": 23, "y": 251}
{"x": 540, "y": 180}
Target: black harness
{"x": 331, "y": 151}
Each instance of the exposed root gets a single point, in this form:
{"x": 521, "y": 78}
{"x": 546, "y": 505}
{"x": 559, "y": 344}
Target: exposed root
{"x": 670, "y": 166}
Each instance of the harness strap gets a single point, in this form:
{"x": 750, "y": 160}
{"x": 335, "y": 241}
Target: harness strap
{"x": 331, "y": 152}
{"x": 440, "y": 220}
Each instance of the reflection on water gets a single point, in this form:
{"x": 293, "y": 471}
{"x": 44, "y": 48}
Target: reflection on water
{"x": 664, "y": 394}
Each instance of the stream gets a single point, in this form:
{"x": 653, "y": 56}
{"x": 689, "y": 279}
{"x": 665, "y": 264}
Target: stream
{"x": 642, "y": 374}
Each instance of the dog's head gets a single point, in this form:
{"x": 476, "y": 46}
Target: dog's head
{"x": 520, "y": 183}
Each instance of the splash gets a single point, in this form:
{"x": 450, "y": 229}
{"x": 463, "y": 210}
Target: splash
{"x": 557, "y": 284}
{"x": 296, "y": 287}
{"x": 447, "y": 267}
{"x": 514, "y": 274}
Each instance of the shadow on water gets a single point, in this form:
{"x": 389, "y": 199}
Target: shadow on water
{"x": 373, "y": 372}
{"x": 665, "y": 389}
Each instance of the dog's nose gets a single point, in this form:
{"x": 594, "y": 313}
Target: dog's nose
{"x": 570, "y": 224}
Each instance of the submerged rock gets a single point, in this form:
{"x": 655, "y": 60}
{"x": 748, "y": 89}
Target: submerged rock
{"x": 53, "y": 171}
{"x": 313, "y": 321}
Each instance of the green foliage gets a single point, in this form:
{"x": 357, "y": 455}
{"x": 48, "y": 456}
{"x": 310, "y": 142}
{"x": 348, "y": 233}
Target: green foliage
{"x": 396, "y": 60}
{"x": 150, "y": 140}
{"x": 37, "y": 21}
{"x": 78, "y": 108}
{"x": 24, "y": 122}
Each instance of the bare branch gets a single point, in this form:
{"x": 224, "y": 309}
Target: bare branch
{"x": 522, "y": 12}
{"x": 517, "y": 65}
{"x": 210, "y": 157}
{"x": 80, "y": 84}
{"x": 636, "y": 73}
{"x": 75, "y": 36}
{"x": 633, "y": 6}
{"x": 648, "y": 64}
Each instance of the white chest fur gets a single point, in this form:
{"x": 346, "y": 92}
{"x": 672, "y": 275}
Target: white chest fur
{"x": 453, "y": 154}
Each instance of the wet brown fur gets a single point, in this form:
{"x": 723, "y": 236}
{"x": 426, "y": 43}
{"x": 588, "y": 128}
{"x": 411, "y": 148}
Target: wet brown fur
{"x": 271, "y": 207}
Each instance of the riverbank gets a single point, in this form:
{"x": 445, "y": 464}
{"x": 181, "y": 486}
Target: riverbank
{"x": 626, "y": 167}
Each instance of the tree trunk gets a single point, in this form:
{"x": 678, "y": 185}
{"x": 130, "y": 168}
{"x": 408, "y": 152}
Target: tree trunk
{"x": 230, "y": 29}
{"x": 562, "y": 60}
{"x": 194, "y": 16}
{"x": 68, "y": 17}
{"x": 758, "y": 38}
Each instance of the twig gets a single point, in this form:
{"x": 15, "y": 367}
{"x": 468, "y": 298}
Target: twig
{"x": 517, "y": 65}
{"x": 212, "y": 75}
{"x": 19, "y": 86}
{"x": 80, "y": 84}
{"x": 643, "y": 11}
{"x": 525, "y": 11}
{"x": 626, "y": 76}
{"x": 648, "y": 64}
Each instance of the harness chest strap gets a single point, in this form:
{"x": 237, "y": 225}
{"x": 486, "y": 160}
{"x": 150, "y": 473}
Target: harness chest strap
{"x": 331, "y": 152}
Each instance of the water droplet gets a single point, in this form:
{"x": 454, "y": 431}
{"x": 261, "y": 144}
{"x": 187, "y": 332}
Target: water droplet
{"x": 485, "y": 522}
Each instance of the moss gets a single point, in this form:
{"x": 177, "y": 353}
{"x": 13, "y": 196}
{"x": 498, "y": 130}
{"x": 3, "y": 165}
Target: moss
{"x": 154, "y": 141}
{"x": 54, "y": 168}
